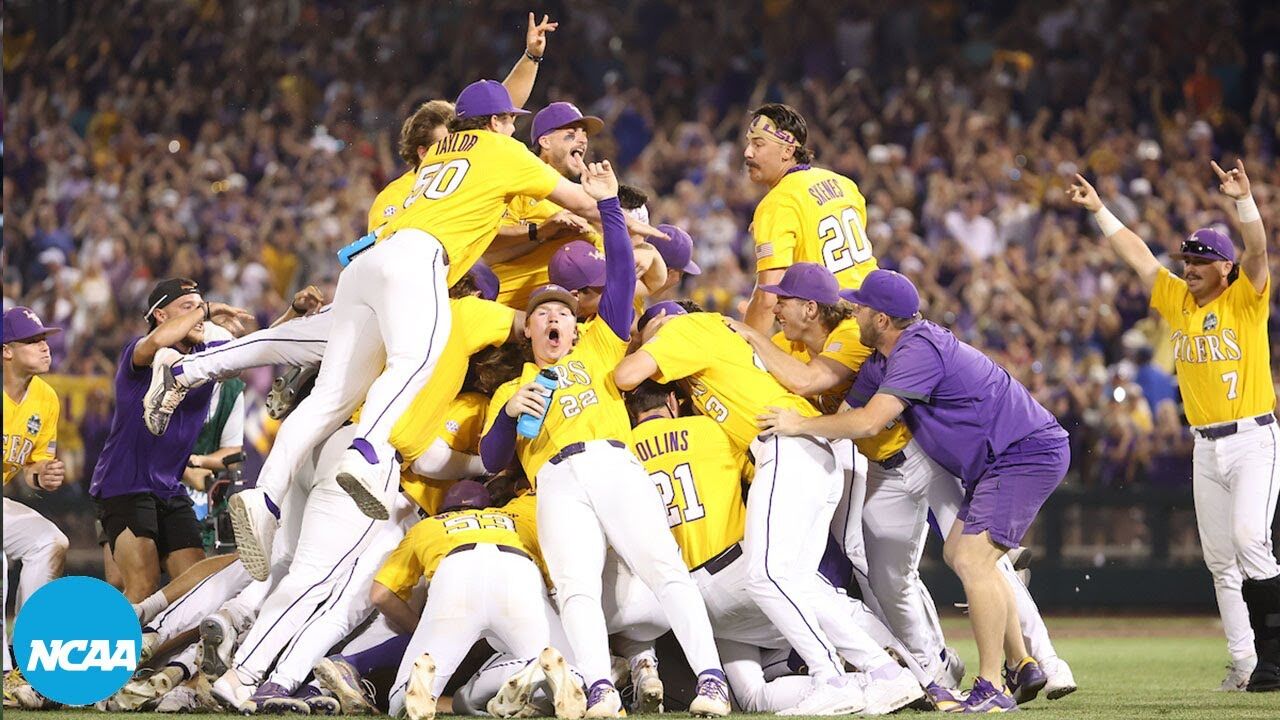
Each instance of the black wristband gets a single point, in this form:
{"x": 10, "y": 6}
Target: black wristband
{"x": 535, "y": 59}
{"x": 294, "y": 307}
{"x": 533, "y": 232}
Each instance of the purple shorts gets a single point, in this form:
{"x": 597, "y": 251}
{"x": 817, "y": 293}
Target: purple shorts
{"x": 1007, "y": 497}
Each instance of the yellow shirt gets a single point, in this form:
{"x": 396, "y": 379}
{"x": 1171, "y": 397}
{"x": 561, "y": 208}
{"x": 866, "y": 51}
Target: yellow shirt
{"x": 30, "y": 427}
{"x": 1220, "y": 350}
{"x": 460, "y": 430}
{"x": 519, "y": 277}
{"x": 699, "y": 476}
{"x": 586, "y": 406}
{"x": 389, "y": 200}
{"x": 725, "y": 378}
{"x": 814, "y": 215}
{"x": 463, "y": 185}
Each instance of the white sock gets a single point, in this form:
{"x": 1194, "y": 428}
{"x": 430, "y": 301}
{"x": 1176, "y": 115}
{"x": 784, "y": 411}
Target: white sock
{"x": 152, "y": 606}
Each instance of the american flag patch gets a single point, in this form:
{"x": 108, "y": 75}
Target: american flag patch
{"x": 452, "y": 426}
{"x": 835, "y": 347}
{"x": 389, "y": 211}
{"x": 764, "y": 250}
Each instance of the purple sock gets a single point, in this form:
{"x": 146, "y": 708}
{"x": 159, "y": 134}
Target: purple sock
{"x": 386, "y": 655}
{"x": 716, "y": 673}
{"x": 272, "y": 506}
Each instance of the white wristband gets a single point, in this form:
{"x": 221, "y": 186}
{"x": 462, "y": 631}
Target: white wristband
{"x": 1109, "y": 223}
{"x": 1248, "y": 210}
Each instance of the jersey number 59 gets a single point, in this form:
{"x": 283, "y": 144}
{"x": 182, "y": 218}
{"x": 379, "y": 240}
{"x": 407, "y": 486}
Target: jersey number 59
{"x": 844, "y": 242}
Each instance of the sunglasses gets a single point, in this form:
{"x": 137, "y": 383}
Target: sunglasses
{"x": 1195, "y": 247}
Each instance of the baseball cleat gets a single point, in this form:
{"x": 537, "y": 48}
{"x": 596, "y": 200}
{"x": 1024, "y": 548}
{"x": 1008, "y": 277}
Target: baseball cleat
{"x": 1025, "y": 681}
{"x": 18, "y": 693}
{"x": 218, "y": 639}
{"x": 942, "y": 698}
{"x": 712, "y": 699}
{"x": 338, "y": 677}
{"x": 647, "y": 686}
{"x": 273, "y": 699}
{"x": 255, "y": 529}
{"x": 420, "y": 698}
{"x": 566, "y": 689}
{"x": 288, "y": 389}
{"x": 838, "y": 696}
{"x": 353, "y": 476}
{"x": 1061, "y": 682}
{"x": 1265, "y": 678}
{"x": 232, "y": 693}
{"x": 318, "y": 701}
{"x": 950, "y": 672}
{"x": 985, "y": 698}
{"x": 150, "y": 642}
{"x": 181, "y": 699}
{"x": 516, "y": 691}
{"x": 885, "y": 696}
{"x": 165, "y": 392}
{"x": 603, "y": 700}
{"x": 1237, "y": 678}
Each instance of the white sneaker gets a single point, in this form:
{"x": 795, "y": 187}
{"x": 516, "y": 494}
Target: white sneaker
{"x": 566, "y": 689}
{"x": 184, "y": 699}
{"x": 150, "y": 643}
{"x": 355, "y": 477}
{"x": 712, "y": 699}
{"x": 838, "y": 696}
{"x": 950, "y": 671}
{"x": 255, "y": 529}
{"x": 164, "y": 394}
{"x": 885, "y": 696}
{"x": 648, "y": 687}
{"x": 218, "y": 642}
{"x": 419, "y": 700}
{"x": 1238, "y": 673}
{"x": 233, "y": 694}
{"x": 1061, "y": 682}
{"x": 515, "y": 692}
{"x": 604, "y": 702}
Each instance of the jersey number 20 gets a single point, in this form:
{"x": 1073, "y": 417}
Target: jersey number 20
{"x": 693, "y": 509}
{"x": 438, "y": 180}
{"x": 844, "y": 242}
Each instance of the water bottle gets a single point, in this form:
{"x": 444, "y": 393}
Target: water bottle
{"x": 528, "y": 425}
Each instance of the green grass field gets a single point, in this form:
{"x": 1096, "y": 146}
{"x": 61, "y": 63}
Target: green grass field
{"x": 1126, "y": 668}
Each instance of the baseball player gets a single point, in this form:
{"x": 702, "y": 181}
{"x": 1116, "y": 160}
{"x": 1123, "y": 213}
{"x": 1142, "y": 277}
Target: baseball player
{"x": 578, "y": 267}
{"x": 697, "y": 471}
{"x": 31, "y": 410}
{"x": 1218, "y": 312}
{"x": 976, "y": 421}
{"x": 592, "y": 490}
{"x": 676, "y": 250}
{"x": 810, "y": 214}
{"x": 797, "y": 485}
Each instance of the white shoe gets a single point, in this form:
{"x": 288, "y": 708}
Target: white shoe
{"x": 1238, "y": 673}
{"x": 515, "y": 692}
{"x": 885, "y": 696}
{"x": 255, "y": 529}
{"x": 233, "y": 694}
{"x": 419, "y": 701}
{"x": 566, "y": 689}
{"x": 1061, "y": 682}
{"x": 218, "y": 640}
{"x": 150, "y": 642}
{"x": 164, "y": 394}
{"x": 607, "y": 703}
{"x": 837, "y": 696}
{"x": 338, "y": 677}
{"x": 950, "y": 671}
{"x": 648, "y": 687}
{"x": 354, "y": 476}
{"x": 712, "y": 699}
{"x": 184, "y": 699}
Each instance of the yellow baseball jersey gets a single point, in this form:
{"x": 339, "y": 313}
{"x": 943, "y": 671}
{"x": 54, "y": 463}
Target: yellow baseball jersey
{"x": 462, "y": 188}
{"x": 728, "y": 383}
{"x": 388, "y": 201}
{"x": 460, "y": 429}
{"x": 586, "y": 406}
{"x": 1220, "y": 350}
{"x": 30, "y": 427}
{"x": 519, "y": 277}
{"x": 814, "y": 215}
{"x": 699, "y": 475}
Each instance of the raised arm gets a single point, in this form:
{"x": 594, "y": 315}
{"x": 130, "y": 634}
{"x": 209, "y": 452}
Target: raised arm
{"x": 519, "y": 82}
{"x": 619, "y": 258}
{"x": 759, "y": 314}
{"x": 1234, "y": 183}
{"x": 172, "y": 331}
{"x": 1124, "y": 241}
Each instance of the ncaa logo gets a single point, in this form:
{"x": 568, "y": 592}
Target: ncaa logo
{"x": 77, "y": 640}
{"x": 1210, "y": 322}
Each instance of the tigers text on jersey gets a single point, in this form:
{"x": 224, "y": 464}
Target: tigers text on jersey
{"x": 699, "y": 475}
{"x": 725, "y": 378}
{"x": 388, "y": 201}
{"x": 1220, "y": 350}
{"x": 30, "y": 427}
{"x": 460, "y": 429}
{"x": 814, "y": 215}
{"x": 464, "y": 183}
{"x": 519, "y": 277}
{"x": 586, "y": 406}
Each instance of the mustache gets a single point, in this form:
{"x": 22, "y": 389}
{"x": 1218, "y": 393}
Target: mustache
{"x": 751, "y": 164}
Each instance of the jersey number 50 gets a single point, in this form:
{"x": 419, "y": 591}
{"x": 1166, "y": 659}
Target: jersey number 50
{"x": 693, "y": 509}
{"x": 844, "y": 242}
{"x": 438, "y": 180}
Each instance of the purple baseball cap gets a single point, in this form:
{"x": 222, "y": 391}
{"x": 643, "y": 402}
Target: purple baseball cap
{"x": 22, "y": 324}
{"x": 465, "y": 495}
{"x": 676, "y": 249}
{"x": 807, "y": 281}
{"x": 576, "y": 265}
{"x": 668, "y": 306}
{"x": 561, "y": 115}
{"x": 1207, "y": 244}
{"x": 888, "y": 292}
{"x": 485, "y": 279}
{"x": 485, "y": 97}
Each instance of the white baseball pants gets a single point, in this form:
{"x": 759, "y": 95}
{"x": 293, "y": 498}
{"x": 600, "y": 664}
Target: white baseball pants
{"x": 37, "y": 542}
{"x": 391, "y": 320}
{"x": 1236, "y": 480}
{"x": 297, "y": 343}
{"x": 602, "y": 496}
{"x": 201, "y": 601}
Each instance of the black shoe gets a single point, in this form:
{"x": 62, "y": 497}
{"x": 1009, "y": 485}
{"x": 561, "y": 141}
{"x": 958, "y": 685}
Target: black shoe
{"x": 1265, "y": 678}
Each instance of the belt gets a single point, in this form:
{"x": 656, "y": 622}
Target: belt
{"x": 1216, "y": 432}
{"x": 721, "y": 561}
{"x": 501, "y": 548}
{"x": 893, "y": 461}
{"x": 577, "y": 448}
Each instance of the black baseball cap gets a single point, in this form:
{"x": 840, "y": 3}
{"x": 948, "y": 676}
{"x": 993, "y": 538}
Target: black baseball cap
{"x": 166, "y": 291}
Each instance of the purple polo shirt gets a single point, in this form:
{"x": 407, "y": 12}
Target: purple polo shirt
{"x": 963, "y": 408}
{"x": 135, "y": 461}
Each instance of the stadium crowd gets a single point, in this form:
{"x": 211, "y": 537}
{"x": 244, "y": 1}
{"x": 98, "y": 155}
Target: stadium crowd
{"x": 241, "y": 145}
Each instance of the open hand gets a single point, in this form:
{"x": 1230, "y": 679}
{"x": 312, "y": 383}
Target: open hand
{"x": 599, "y": 181}
{"x": 778, "y": 421}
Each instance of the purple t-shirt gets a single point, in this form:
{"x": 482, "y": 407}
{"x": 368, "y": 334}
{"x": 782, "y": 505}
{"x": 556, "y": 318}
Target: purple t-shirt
{"x": 135, "y": 461}
{"x": 963, "y": 408}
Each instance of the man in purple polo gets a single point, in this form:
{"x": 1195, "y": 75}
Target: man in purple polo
{"x": 144, "y": 509}
{"x": 978, "y": 423}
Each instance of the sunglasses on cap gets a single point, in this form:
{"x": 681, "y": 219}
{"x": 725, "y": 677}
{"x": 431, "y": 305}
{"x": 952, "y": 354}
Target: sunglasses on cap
{"x": 1193, "y": 247}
